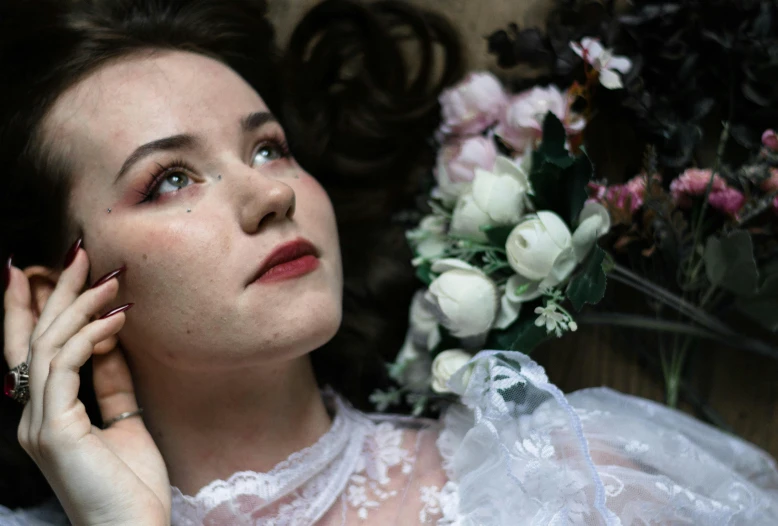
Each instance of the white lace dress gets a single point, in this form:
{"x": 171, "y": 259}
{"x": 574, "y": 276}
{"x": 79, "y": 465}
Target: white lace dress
{"x": 515, "y": 452}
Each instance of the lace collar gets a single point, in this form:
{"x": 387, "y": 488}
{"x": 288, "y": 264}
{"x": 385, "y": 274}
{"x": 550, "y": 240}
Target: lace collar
{"x": 330, "y": 460}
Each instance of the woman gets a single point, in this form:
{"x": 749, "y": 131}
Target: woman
{"x": 205, "y": 281}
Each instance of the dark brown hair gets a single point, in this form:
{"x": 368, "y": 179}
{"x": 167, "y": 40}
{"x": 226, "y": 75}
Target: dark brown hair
{"x": 357, "y": 114}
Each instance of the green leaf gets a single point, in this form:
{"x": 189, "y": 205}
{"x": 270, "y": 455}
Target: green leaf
{"x": 424, "y": 273}
{"x": 730, "y": 263}
{"x": 588, "y": 286}
{"x": 554, "y": 137}
{"x": 523, "y": 336}
{"x": 576, "y": 178}
{"x": 497, "y": 235}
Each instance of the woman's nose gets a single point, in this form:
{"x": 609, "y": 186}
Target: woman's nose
{"x": 263, "y": 200}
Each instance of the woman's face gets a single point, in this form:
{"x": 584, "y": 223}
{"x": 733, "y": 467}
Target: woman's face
{"x": 193, "y": 239}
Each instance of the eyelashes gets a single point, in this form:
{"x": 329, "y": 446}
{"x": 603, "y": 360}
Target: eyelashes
{"x": 180, "y": 166}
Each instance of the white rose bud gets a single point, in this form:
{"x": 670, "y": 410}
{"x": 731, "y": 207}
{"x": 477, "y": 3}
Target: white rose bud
{"x": 468, "y": 218}
{"x": 540, "y": 248}
{"x": 593, "y": 223}
{"x": 501, "y": 193}
{"x": 445, "y": 365}
{"x": 423, "y": 323}
{"x": 464, "y": 298}
{"x": 416, "y": 371}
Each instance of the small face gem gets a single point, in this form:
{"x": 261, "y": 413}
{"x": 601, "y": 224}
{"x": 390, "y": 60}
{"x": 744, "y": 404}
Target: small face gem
{"x": 109, "y": 210}
{"x": 188, "y": 209}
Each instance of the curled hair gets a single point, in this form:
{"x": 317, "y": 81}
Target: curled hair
{"x": 357, "y": 113}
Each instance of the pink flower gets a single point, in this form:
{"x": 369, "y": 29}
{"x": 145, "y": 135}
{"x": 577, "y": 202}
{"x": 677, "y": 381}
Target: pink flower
{"x": 457, "y": 161}
{"x": 472, "y": 105}
{"x": 728, "y": 200}
{"x": 770, "y": 140}
{"x": 693, "y": 182}
{"x": 617, "y": 195}
{"x": 522, "y": 125}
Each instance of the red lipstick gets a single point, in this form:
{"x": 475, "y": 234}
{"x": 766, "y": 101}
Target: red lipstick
{"x": 289, "y": 260}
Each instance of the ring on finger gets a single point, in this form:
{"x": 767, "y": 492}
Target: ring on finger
{"x": 122, "y": 416}
{"x": 17, "y": 383}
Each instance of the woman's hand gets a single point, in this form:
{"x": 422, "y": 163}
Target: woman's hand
{"x": 111, "y": 477}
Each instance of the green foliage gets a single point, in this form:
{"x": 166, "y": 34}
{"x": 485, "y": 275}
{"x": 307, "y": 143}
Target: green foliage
{"x": 523, "y": 335}
{"x": 730, "y": 263}
{"x": 588, "y": 286}
{"x": 424, "y": 273}
{"x": 559, "y": 179}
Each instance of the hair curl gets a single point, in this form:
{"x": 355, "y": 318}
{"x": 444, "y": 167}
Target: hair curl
{"x": 357, "y": 113}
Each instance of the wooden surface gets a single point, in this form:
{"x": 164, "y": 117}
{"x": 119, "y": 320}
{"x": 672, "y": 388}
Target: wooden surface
{"x": 742, "y": 388}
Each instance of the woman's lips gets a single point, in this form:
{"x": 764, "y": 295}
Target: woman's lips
{"x": 290, "y": 269}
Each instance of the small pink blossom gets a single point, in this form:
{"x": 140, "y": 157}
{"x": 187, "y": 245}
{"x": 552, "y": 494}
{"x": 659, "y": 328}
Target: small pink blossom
{"x": 728, "y": 200}
{"x": 472, "y": 105}
{"x": 693, "y": 182}
{"x": 522, "y": 124}
{"x": 617, "y": 195}
{"x": 770, "y": 140}
{"x": 457, "y": 161}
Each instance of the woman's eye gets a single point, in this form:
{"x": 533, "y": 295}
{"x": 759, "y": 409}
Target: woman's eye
{"x": 177, "y": 181}
{"x": 267, "y": 153}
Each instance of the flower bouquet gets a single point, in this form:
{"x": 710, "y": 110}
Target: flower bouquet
{"x": 511, "y": 240}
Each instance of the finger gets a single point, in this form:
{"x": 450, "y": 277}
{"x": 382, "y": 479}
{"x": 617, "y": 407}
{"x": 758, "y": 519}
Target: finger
{"x": 114, "y": 389}
{"x": 61, "y": 390}
{"x": 69, "y": 286}
{"x": 66, "y": 326}
{"x": 19, "y": 318}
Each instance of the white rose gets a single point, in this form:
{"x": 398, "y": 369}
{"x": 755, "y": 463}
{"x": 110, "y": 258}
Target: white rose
{"x": 540, "y": 249}
{"x": 468, "y": 218}
{"x": 464, "y": 298}
{"x": 593, "y": 223}
{"x": 423, "y": 323}
{"x": 501, "y": 193}
{"x": 416, "y": 365}
{"x": 445, "y": 365}
{"x": 429, "y": 238}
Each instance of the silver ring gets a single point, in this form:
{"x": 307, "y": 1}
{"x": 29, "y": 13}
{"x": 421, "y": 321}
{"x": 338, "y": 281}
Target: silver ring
{"x": 122, "y": 416}
{"x": 17, "y": 383}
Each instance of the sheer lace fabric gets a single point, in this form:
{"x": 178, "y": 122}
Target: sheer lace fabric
{"x": 515, "y": 452}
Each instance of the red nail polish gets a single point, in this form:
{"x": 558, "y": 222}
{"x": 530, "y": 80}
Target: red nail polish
{"x": 7, "y": 273}
{"x": 117, "y": 310}
{"x": 71, "y": 255}
{"x": 109, "y": 276}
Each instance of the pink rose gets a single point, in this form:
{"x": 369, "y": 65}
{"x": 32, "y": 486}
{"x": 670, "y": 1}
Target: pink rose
{"x": 522, "y": 125}
{"x": 472, "y": 105}
{"x": 457, "y": 161}
{"x": 770, "y": 140}
{"x": 728, "y": 200}
{"x": 693, "y": 182}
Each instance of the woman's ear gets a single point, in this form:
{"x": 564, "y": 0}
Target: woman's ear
{"x": 42, "y": 280}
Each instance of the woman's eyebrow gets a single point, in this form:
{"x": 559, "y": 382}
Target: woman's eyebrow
{"x": 186, "y": 141}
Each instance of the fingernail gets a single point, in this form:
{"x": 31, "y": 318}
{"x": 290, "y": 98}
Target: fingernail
{"x": 109, "y": 276}
{"x": 7, "y": 273}
{"x": 71, "y": 255}
{"x": 117, "y": 310}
